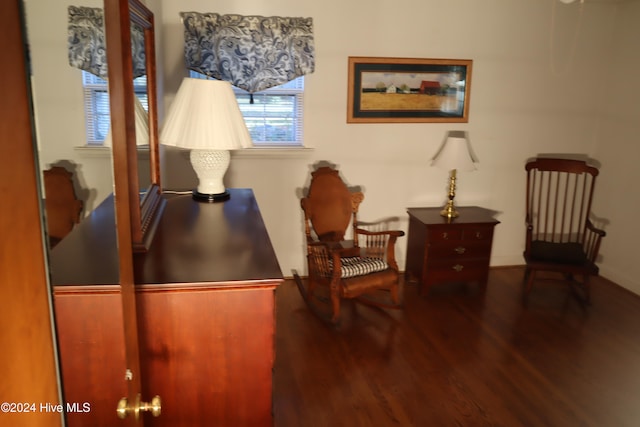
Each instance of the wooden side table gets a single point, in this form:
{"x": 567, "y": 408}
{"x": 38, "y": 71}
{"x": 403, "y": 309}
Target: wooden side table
{"x": 440, "y": 250}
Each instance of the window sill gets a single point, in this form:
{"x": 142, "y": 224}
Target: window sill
{"x": 247, "y": 153}
{"x": 99, "y": 151}
{"x": 92, "y": 151}
{"x": 272, "y": 152}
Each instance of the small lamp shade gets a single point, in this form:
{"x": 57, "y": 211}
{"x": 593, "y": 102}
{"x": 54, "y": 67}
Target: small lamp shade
{"x": 142, "y": 125}
{"x": 454, "y": 154}
{"x": 205, "y": 118}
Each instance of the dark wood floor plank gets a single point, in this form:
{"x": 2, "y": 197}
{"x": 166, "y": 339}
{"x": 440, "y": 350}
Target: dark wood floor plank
{"x": 458, "y": 357}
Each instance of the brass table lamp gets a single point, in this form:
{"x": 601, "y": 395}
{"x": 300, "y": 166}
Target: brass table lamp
{"x": 454, "y": 154}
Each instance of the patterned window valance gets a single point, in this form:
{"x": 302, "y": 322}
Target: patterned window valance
{"x": 87, "y": 42}
{"x": 253, "y": 53}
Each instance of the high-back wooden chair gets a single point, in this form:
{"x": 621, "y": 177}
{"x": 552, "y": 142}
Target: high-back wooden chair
{"x": 347, "y": 268}
{"x": 560, "y": 236}
{"x": 63, "y": 208}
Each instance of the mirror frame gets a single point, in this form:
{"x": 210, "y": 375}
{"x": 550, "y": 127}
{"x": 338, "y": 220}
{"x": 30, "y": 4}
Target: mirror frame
{"x": 144, "y": 214}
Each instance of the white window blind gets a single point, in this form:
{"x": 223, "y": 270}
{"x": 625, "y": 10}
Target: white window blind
{"x": 96, "y": 105}
{"x": 275, "y": 117}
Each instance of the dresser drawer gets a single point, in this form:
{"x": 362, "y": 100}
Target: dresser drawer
{"x": 456, "y": 270}
{"x": 444, "y": 235}
{"x": 460, "y": 233}
{"x": 459, "y": 250}
{"x": 479, "y": 233}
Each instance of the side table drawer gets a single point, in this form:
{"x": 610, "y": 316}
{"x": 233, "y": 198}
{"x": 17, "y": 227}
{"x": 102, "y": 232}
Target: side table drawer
{"x": 479, "y": 233}
{"x": 456, "y": 270}
{"x": 462, "y": 249}
{"x": 467, "y": 234}
{"x": 444, "y": 236}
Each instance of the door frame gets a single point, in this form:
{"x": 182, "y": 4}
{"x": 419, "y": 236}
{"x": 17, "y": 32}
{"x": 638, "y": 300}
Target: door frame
{"x": 29, "y": 368}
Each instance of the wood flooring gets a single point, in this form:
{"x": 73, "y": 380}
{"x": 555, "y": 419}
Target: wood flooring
{"x": 458, "y": 357}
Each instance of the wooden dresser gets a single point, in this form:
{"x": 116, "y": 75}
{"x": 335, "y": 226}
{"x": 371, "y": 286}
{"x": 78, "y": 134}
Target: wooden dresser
{"x": 205, "y": 312}
{"x": 441, "y": 250}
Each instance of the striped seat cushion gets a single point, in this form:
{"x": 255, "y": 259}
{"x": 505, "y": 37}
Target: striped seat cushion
{"x": 357, "y": 266}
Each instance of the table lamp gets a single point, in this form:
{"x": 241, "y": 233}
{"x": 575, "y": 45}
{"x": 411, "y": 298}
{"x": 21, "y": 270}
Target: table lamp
{"x": 454, "y": 154}
{"x": 142, "y": 126}
{"x": 205, "y": 118}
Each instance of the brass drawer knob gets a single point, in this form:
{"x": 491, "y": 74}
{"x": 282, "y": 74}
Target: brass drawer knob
{"x": 458, "y": 268}
{"x": 460, "y": 250}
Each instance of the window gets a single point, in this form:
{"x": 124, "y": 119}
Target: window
{"x": 275, "y": 117}
{"x": 96, "y": 105}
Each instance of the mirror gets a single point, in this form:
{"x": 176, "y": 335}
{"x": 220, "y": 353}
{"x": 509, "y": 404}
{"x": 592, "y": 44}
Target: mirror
{"x": 58, "y": 102}
{"x": 58, "y": 99}
{"x": 145, "y": 205}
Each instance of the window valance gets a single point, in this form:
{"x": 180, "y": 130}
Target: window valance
{"x": 87, "y": 42}
{"x": 253, "y": 53}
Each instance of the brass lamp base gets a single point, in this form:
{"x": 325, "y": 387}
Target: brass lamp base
{"x": 449, "y": 210}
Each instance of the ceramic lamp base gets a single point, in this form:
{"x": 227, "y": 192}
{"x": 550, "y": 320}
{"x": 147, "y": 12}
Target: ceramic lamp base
{"x": 210, "y": 166}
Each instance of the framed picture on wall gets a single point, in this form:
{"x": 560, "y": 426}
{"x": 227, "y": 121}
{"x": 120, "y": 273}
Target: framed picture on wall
{"x": 408, "y": 90}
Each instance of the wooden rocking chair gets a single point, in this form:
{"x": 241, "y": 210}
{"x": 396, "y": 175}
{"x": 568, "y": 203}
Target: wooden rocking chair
{"x": 348, "y": 269}
{"x": 560, "y": 236}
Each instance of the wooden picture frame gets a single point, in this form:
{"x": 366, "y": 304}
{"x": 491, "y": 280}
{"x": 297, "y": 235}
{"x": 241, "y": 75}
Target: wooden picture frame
{"x": 408, "y": 90}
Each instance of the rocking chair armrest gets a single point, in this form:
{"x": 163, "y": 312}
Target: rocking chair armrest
{"x": 600, "y": 232}
{"x": 391, "y": 237}
{"x": 396, "y": 233}
{"x": 593, "y": 237}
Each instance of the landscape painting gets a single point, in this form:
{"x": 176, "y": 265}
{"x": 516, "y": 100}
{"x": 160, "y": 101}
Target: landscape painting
{"x": 408, "y": 90}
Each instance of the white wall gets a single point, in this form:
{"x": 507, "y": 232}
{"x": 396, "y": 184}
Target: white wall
{"x": 537, "y": 87}
{"x": 618, "y": 148}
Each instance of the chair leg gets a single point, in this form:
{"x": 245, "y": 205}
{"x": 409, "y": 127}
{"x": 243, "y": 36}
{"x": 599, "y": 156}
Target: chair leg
{"x": 529, "y": 276}
{"x": 581, "y": 290}
{"x": 395, "y": 296}
{"x": 335, "y": 303}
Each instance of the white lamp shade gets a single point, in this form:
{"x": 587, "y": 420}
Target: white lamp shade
{"x": 455, "y": 153}
{"x": 142, "y": 125}
{"x": 205, "y": 115}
